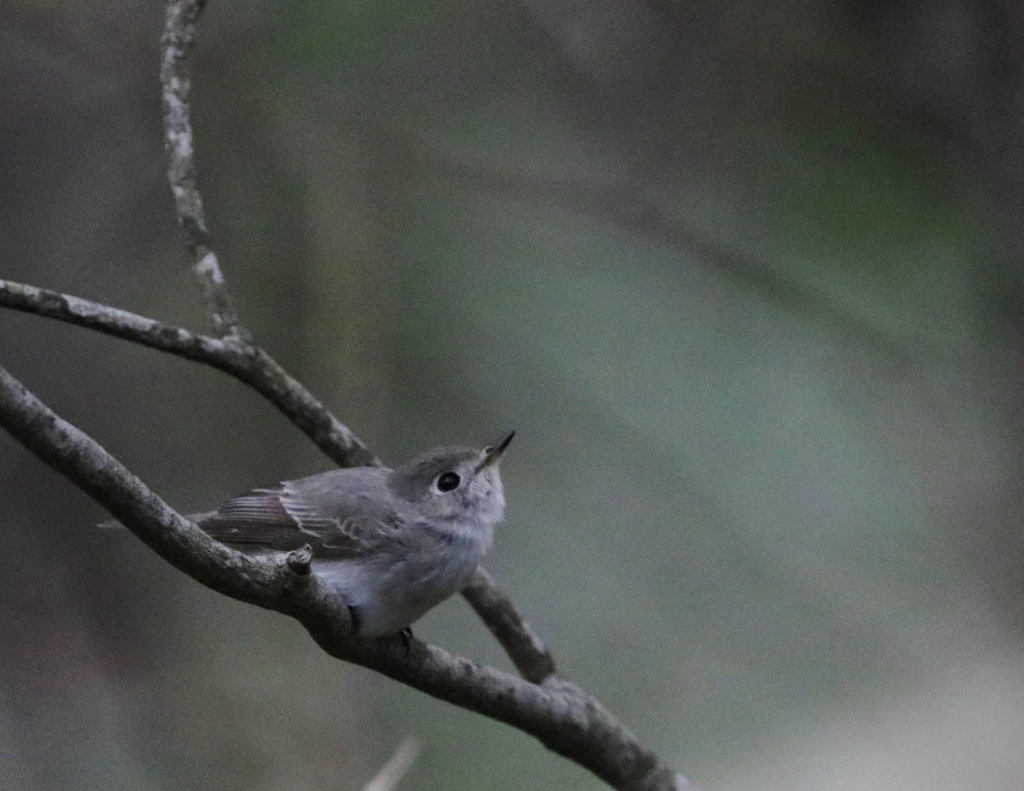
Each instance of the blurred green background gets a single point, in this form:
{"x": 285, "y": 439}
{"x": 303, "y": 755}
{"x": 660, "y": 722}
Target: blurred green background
{"x": 746, "y": 277}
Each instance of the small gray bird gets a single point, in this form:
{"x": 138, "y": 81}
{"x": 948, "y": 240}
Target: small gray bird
{"x": 393, "y": 543}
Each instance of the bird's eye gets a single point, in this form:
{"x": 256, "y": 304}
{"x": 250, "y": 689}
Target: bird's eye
{"x": 447, "y": 481}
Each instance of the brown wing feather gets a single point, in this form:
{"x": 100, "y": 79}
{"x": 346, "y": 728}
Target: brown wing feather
{"x": 274, "y": 518}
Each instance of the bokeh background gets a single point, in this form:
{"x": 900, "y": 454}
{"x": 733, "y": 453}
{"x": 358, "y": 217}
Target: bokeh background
{"x": 746, "y": 277}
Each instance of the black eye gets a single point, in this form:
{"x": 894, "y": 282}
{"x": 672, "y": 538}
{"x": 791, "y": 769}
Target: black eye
{"x": 447, "y": 481}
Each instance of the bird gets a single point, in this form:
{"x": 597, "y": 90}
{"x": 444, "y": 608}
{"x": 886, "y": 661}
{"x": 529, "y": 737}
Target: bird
{"x": 393, "y": 543}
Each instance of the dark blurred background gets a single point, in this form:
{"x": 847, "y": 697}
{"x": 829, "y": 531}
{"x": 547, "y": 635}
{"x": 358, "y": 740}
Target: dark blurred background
{"x": 745, "y": 276}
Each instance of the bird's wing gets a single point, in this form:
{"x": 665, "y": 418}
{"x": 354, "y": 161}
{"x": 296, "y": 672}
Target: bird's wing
{"x": 281, "y": 518}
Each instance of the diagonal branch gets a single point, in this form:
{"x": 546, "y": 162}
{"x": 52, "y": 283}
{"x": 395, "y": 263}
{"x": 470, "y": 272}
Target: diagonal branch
{"x": 526, "y": 650}
{"x": 559, "y": 714}
{"x": 398, "y": 765}
{"x": 247, "y": 363}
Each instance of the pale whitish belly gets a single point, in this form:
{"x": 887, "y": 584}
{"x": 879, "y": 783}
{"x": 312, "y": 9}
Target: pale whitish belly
{"x": 389, "y": 600}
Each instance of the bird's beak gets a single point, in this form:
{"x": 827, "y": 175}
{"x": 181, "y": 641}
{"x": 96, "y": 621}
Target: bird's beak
{"x": 492, "y": 453}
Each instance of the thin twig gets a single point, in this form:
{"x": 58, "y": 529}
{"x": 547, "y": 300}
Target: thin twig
{"x": 247, "y": 363}
{"x": 526, "y": 650}
{"x": 559, "y": 714}
{"x": 113, "y": 321}
{"x": 176, "y": 87}
{"x": 396, "y": 768}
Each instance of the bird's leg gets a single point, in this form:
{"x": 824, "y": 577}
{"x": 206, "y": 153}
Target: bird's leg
{"x": 353, "y": 615}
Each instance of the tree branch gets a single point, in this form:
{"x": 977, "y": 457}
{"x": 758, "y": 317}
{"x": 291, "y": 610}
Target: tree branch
{"x": 526, "y": 650}
{"x": 248, "y": 363}
{"x": 176, "y": 87}
{"x": 397, "y": 766}
{"x": 559, "y": 714}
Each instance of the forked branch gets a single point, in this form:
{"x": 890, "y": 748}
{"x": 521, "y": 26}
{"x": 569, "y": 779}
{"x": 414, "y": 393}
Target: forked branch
{"x": 558, "y": 713}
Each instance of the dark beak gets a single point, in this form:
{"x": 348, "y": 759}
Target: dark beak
{"x": 493, "y": 452}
